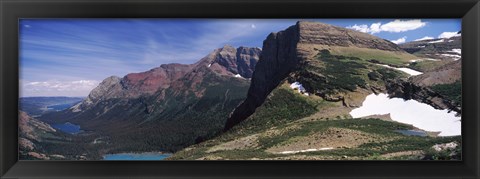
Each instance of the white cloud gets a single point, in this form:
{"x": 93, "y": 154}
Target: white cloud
{"x": 57, "y": 88}
{"x": 362, "y": 28}
{"x": 27, "y": 26}
{"x": 253, "y": 26}
{"x": 376, "y": 27}
{"x": 393, "y": 26}
{"x": 447, "y": 35}
{"x": 402, "y": 26}
{"x": 400, "y": 40}
{"x": 424, "y": 38}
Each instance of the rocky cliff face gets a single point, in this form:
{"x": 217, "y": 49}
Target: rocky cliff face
{"x": 284, "y": 51}
{"x": 232, "y": 61}
{"x": 325, "y": 34}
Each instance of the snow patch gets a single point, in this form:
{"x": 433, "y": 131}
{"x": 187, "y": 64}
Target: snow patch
{"x": 422, "y": 59}
{"x": 457, "y": 50}
{"x": 297, "y": 85}
{"x": 306, "y": 150}
{"x": 421, "y": 46}
{"x": 420, "y": 115}
{"x": 406, "y": 70}
{"x": 447, "y": 35}
{"x": 209, "y": 65}
{"x": 455, "y": 57}
{"x": 450, "y": 40}
{"x": 238, "y": 76}
{"x": 436, "y": 41}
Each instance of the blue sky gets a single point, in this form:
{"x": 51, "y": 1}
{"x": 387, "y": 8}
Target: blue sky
{"x": 69, "y": 57}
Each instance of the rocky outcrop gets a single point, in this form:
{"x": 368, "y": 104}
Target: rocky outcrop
{"x": 108, "y": 88}
{"x": 232, "y": 61}
{"x": 408, "y": 90}
{"x": 247, "y": 59}
{"x": 325, "y": 34}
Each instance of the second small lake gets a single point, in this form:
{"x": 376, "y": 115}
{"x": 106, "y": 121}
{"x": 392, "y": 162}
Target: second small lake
{"x": 137, "y": 156}
{"x": 60, "y": 107}
{"x": 412, "y": 133}
{"x": 68, "y": 128}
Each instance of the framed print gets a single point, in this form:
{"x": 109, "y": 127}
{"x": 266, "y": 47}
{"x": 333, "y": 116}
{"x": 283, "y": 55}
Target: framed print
{"x": 277, "y": 88}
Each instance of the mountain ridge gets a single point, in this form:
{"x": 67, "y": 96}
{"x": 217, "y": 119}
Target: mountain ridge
{"x": 168, "y": 101}
{"x": 285, "y": 50}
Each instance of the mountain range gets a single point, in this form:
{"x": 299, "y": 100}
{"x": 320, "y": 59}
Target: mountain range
{"x": 292, "y": 95}
{"x": 309, "y": 77}
{"x": 174, "y": 105}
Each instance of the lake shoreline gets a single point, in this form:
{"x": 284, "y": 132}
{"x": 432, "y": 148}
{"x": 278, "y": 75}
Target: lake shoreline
{"x": 158, "y": 155}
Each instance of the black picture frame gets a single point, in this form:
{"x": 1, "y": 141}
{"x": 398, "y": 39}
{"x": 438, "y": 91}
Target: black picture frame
{"x": 12, "y": 10}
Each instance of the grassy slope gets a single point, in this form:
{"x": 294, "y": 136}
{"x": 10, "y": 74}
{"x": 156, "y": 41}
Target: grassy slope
{"x": 387, "y": 57}
{"x": 329, "y": 74}
{"x": 427, "y": 65}
{"x": 450, "y": 91}
{"x": 276, "y": 123}
{"x": 288, "y": 130}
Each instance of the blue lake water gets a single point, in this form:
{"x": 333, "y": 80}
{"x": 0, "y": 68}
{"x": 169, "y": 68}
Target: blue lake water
{"x": 412, "y": 132}
{"x": 136, "y": 156}
{"x": 60, "y": 107}
{"x": 68, "y": 128}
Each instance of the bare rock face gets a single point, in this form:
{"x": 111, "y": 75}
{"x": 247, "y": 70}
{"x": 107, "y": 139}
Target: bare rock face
{"x": 325, "y": 34}
{"x": 232, "y": 61}
{"x": 247, "y": 59}
{"x": 108, "y": 88}
{"x": 151, "y": 81}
